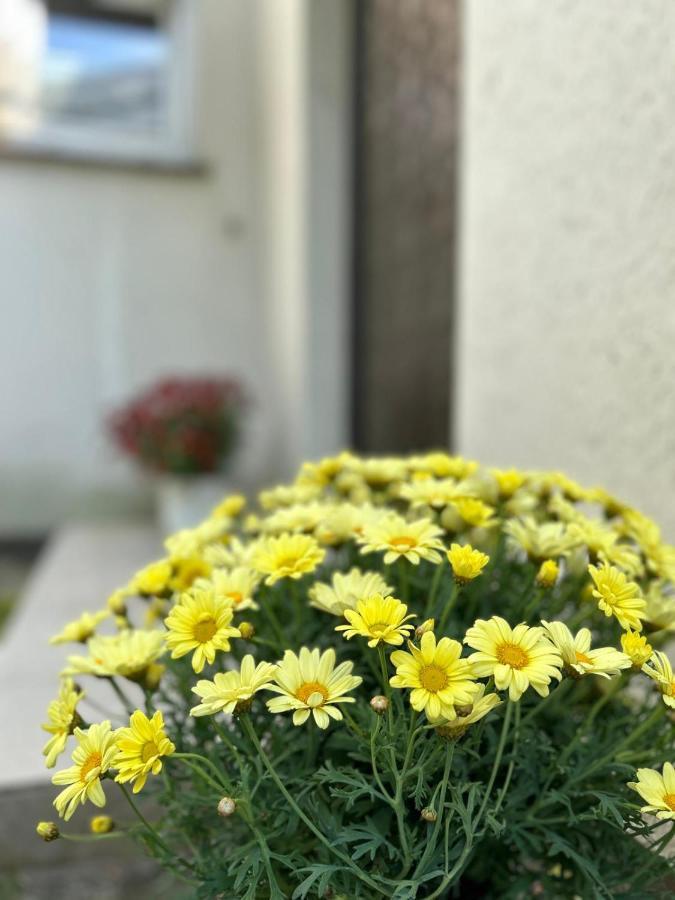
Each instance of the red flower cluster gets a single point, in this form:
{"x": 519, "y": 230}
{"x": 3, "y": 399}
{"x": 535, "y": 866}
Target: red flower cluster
{"x": 186, "y": 425}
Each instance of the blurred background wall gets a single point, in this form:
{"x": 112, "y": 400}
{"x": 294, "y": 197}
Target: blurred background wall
{"x": 567, "y": 283}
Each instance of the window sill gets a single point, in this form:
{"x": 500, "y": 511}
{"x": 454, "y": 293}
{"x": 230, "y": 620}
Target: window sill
{"x": 177, "y": 167}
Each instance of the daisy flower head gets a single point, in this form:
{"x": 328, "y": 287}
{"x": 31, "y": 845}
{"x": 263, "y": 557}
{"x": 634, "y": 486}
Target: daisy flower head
{"x": 200, "y": 624}
{"x": 635, "y": 646}
{"x": 186, "y": 570}
{"x": 508, "y": 481}
{"x": 548, "y": 573}
{"x": 345, "y": 591}
{"x": 540, "y": 541}
{"x": 466, "y": 562}
{"x": 63, "y": 719}
{"x": 438, "y": 677}
{"x": 131, "y": 653}
{"x": 233, "y": 691}
{"x": 95, "y": 753}
{"x": 474, "y": 513}
{"x": 311, "y": 683}
{"x": 467, "y": 715}
{"x": 141, "y": 748}
{"x": 286, "y": 556}
{"x": 153, "y": 580}
{"x": 378, "y": 618}
{"x": 577, "y": 656}
{"x": 658, "y": 789}
{"x": 660, "y": 670}
{"x": 229, "y": 507}
{"x": 617, "y": 596}
{"x": 79, "y": 631}
{"x": 518, "y": 658}
{"x": 396, "y": 537}
{"x": 237, "y": 586}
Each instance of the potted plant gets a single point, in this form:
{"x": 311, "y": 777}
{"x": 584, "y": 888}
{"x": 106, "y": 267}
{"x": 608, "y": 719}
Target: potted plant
{"x": 405, "y": 678}
{"x": 183, "y": 430}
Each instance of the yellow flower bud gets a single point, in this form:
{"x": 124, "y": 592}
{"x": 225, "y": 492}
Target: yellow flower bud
{"x": 246, "y": 630}
{"x": 548, "y": 573}
{"x": 117, "y": 603}
{"x": 101, "y": 824}
{"x": 636, "y": 647}
{"x": 428, "y": 814}
{"x": 427, "y": 625}
{"x": 48, "y": 831}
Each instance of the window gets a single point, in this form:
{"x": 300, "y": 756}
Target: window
{"x": 101, "y": 78}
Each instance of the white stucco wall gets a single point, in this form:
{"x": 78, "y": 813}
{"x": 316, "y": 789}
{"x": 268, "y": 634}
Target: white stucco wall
{"x": 111, "y": 278}
{"x": 565, "y": 350}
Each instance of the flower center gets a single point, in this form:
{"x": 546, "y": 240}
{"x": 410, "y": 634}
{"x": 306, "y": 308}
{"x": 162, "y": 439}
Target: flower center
{"x": 403, "y": 542}
{"x": 379, "y": 627}
{"x": 235, "y": 596}
{"x": 150, "y": 750}
{"x": 312, "y": 693}
{"x": 669, "y": 800}
{"x": 93, "y": 761}
{"x": 433, "y": 679}
{"x": 582, "y": 658}
{"x": 288, "y": 562}
{"x": 204, "y": 629}
{"x": 512, "y": 655}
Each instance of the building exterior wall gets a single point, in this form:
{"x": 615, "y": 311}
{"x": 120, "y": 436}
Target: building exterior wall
{"x": 567, "y": 283}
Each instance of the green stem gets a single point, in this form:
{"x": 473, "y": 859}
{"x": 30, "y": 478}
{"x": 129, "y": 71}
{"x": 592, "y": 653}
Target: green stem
{"x": 403, "y": 578}
{"x": 89, "y": 838}
{"x": 150, "y": 828}
{"x": 274, "y": 623}
{"x": 126, "y": 702}
{"x": 553, "y": 695}
{"x": 434, "y": 588}
{"x": 360, "y": 874}
{"x": 512, "y": 763}
{"x": 398, "y": 797}
{"x": 452, "y": 599}
{"x": 205, "y": 776}
{"x": 440, "y": 812}
{"x": 221, "y": 783}
{"x": 497, "y": 761}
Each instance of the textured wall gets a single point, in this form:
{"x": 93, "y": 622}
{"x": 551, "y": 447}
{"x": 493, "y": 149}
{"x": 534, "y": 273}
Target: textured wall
{"x": 567, "y": 316}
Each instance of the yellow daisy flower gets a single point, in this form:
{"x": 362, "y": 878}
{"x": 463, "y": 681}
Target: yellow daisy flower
{"x": 618, "y": 597}
{"x": 577, "y": 655}
{"x": 229, "y": 507}
{"x": 95, "y": 753}
{"x": 518, "y": 658}
{"x": 79, "y": 631}
{"x": 660, "y": 670}
{"x": 397, "y": 538}
{"x": 345, "y": 591}
{"x": 301, "y": 517}
{"x": 540, "y": 541}
{"x": 439, "y": 679}
{"x": 467, "y": 715}
{"x": 201, "y": 624}
{"x": 154, "y": 579}
{"x": 635, "y": 646}
{"x": 603, "y": 544}
{"x": 311, "y": 683}
{"x": 236, "y": 586}
{"x": 379, "y": 619}
{"x": 288, "y": 495}
{"x": 660, "y": 607}
{"x": 658, "y": 790}
{"x": 466, "y": 562}
{"x": 186, "y": 570}
{"x": 141, "y": 748}
{"x": 508, "y": 481}
{"x": 232, "y": 691}
{"x": 287, "y": 556}
{"x": 129, "y": 654}
{"x": 474, "y": 512}
{"x": 434, "y": 492}
{"x": 63, "y": 719}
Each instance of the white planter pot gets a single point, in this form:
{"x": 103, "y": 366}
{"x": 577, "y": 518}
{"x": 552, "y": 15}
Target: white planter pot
{"x": 184, "y": 501}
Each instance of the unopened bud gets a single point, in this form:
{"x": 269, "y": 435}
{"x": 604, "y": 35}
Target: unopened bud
{"x": 117, "y": 604}
{"x": 548, "y": 573}
{"x": 101, "y": 824}
{"x": 427, "y": 625}
{"x": 48, "y": 831}
{"x": 428, "y": 814}
{"x": 152, "y": 676}
{"x": 227, "y": 807}
{"x": 246, "y": 630}
{"x": 379, "y": 704}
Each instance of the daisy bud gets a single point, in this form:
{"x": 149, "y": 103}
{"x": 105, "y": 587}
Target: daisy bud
{"x": 379, "y": 704}
{"x": 247, "y": 630}
{"x": 428, "y": 814}
{"x": 227, "y": 807}
{"x": 427, "y": 625}
{"x": 152, "y": 676}
{"x": 101, "y": 824}
{"x": 117, "y": 604}
{"x": 548, "y": 573}
{"x": 48, "y": 831}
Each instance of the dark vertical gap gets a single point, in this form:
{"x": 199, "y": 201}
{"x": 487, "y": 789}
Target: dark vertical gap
{"x": 406, "y": 114}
